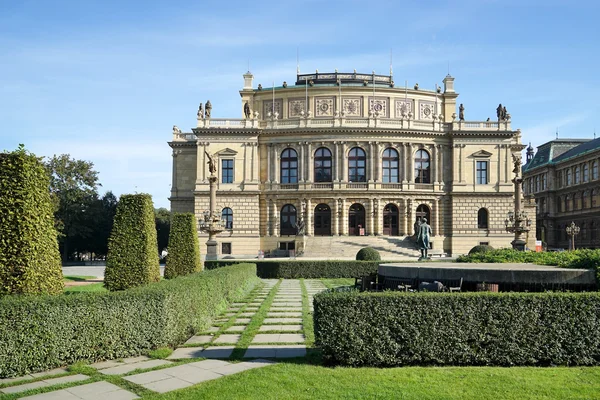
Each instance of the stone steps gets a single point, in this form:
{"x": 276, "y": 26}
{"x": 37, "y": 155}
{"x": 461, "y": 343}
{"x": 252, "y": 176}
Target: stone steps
{"x": 390, "y": 248}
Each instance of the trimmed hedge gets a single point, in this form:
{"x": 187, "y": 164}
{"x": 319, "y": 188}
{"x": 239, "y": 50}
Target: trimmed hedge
{"x": 368, "y": 254}
{"x": 395, "y": 328}
{"x": 132, "y": 258}
{"x": 184, "y": 248}
{"x": 309, "y": 269}
{"x": 40, "y": 333}
{"x": 482, "y": 248}
{"x": 29, "y": 256}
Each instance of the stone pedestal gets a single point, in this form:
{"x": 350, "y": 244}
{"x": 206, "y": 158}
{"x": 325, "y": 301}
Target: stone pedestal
{"x": 211, "y": 250}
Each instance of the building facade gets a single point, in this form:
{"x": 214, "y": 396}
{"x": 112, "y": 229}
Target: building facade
{"x": 563, "y": 179}
{"x": 342, "y": 155}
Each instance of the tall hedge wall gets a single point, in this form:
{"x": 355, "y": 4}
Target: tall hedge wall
{"x": 506, "y": 329}
{"x": 45, "y": 332}
{"x": 184, "y": 248}
{"x": 309, "y": 269}
{"x": 29, "y": 256}
{"x": 132, "y": 258}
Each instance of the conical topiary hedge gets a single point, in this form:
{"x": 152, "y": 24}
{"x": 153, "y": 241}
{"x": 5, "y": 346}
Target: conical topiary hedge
{"x": 184, "y": 248}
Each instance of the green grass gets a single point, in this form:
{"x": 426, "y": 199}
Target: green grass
{"x": 297, "y": 381}
{"x": 78, "y": 278}
{"x": 307, "y": 318}
{"x": 336, "y": 282}
{"x": 92, "y": 287}
{"x": 160, "y": 353}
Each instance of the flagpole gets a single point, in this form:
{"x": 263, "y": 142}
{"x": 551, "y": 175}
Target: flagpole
{"x": 273, "y": 111}
{"x": 373, "y": 107}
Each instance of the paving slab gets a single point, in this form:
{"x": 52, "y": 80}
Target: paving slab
{"x": 284, "y": 314}
{"x": 201, "y": 339}
{"x": 290, "y": 328}
{"x": 212, "y": 329}
{"x": 241, "y": 321}
{"x": 278, "y": 338}
{"x": 185, "y": 352}
{"x": 44, "y": 383}
{"x": 131, "y": 360}
{"x": 123, "y": 369}
{"x": 55, "y": 371}
{"x": 208, "y": 364}
{"x": 236, "y": 328}
{"x": 100, "y": 390}
{"x": 275, "y": 351}
{"x": 217, "y": 352}
{"x": 106, "y": 364}
{"x": 56, "y": 395}
{"x": 147, "y": 377}
{"x": 281, "y": 321}
{"x": 168, "y": 385}
{"x": 227, "y": 339}
{"x": 247, "y": 314}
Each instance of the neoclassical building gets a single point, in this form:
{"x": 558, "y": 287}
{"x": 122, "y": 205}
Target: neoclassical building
{"x": 345, "y": 157}
{"x": 563, "y": 179}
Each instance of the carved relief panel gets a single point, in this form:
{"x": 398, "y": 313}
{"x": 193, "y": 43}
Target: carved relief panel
{"x": 352, "y": 106}
{"x": 295, "y": 107}
{"x": 403, "y": 107}
{"x": 379, "y": 105}
{"x": 426, "y": 109}
{"x": 324, "y": 106}
{"x": 268, "y": 107}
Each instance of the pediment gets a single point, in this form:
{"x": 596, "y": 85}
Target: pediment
{"x": 226, "y": 152}
{"x": 481, "y": 154}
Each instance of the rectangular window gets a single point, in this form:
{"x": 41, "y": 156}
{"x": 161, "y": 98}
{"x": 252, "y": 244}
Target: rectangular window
{"x": 482, "y": 172}
{"x": 226, "y": 171}
{"x": 225, "y": 248}
{"x": 287, "y": 245}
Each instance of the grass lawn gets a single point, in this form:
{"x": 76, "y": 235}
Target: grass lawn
{"x": 301, "y": 381}
{"x": 77, "y": 278}
{"x": 93, "y": 287}
{"x": 335, "y": 282}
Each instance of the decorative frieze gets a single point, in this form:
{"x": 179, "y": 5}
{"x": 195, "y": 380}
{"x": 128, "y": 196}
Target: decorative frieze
{"x": 403, "y": 108}
{"x": 269, "y": 108}
{"x": 352, "y": 106}
{"x": 324, "y": 106}
{"x": 296, "y": 107}
{"x": 379, "y": 105}
{"x": 426, "y": 109}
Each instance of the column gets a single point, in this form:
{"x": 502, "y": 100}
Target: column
{"x": 275, "y": 164}
{"x": 336, "y": 216}
{"x": 409, "y": 218}
{"x": 371, "y": 173}
{"x": 174, "y": 174}
{"x": 253, "y": 161}
{"x": 378, "y": 218}
{"x": 276, "y": 220}
{"x": 269, "y": 217}
{"x": 371, "y": 231}
{"x": 441, "y": 163}
{"x": 310, "y": 229}
{"x": 434, "y": 160}
{"x": 344, "y": 163}
{"x": 336, "y": 165}
{"x": 436, "y": 207}
{"x": 301, "y": 163}
{"x": 199, "y": 162}
{"x": 507, "y": 164}
{"x": 309, "y": 162}
{"x": 402, "y": 161}
{"x": 455, "y": 166}
{"x": 460, "y": 163}
{"x": 344, "y": 218}
{"x": 377, "y": 162}
{"x": 269, "y": 151}
{"x": 411, "y": 163}
{"x": 405, "y": 218}
{"x": 246, "y": 162}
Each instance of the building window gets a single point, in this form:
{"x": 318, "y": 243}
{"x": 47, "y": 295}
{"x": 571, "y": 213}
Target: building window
{"x": 323, "y": 165}
{"x": 289, "y": 166}
{"x": 357, "y": 163}
{"x": 227, "y": 216}
{"x": 225, "y": 248}
{"x": 577, "y": 201}
{"x": 422, "y": 167}
{"x": 288, "y": 220}
{"x": 594, "y": 170}
{"x": 594, "y": 197}
{"x": 543, "y": 181}
{"x": 482, "y": 218}
{"x": 568, "y": 204}
{"x": 586, "y": 199}
{"x": 390, "y": 166}
{"x": 568, "y": 176}
{"x": 226, "y": 171}
{"x": 537, "y": 183}
{"x": 482, "y": 172}
{"x": 287, "y": 246}
{"x": 586, "y": 173}
{"x": 529, "y": 187}
{"x": 576, "y": 174}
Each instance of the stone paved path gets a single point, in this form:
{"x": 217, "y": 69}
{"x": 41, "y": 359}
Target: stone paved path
{"x": 275, "y": 313}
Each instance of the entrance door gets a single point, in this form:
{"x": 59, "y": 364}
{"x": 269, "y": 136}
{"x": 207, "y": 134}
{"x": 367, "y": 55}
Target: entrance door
{"x": 322, "y": 220}
{"x": 390, "y": 220}
{"x": 356, "y": 219}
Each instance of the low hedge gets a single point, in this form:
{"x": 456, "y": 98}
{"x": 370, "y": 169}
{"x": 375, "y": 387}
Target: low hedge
{"x": 43, "y": 332}
{"x": 368, "y": 254}
{"x": 184, "y": 248}
{"x": 309, "y": 269}
{"x": 394, "y": 328}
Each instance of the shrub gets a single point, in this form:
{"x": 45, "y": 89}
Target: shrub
{"x": 309, "y": 269}
{"x": 184, "y": 249}
{"x": 394, "y": 328}
{"x": 45, "y": 332}
{"x": 29, "y": 256}
{"x": 368, "y": 254}
{"x": 482, "y": 248}
{"x": 132, "y": 258}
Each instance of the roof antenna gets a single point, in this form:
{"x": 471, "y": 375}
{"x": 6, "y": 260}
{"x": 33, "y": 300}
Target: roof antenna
{"x": 297, "y": 61}
{"x": 448, "y": 67}
{"x": 594, "y": 132}
{"x": 391, "y": 62}
{"x": 557, "y": 133}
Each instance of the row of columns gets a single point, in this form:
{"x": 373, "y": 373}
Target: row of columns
{"x": 340, "y": 213}
{"x": 339, "y": 149}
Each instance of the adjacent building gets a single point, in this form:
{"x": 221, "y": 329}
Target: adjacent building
{"x": 563, "y": 179}
{"x": 337, "y": 158}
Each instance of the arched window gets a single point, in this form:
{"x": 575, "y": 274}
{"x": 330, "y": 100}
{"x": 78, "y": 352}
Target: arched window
{"x": 585, "y": 199}
{"x": 289, "y": 166}
{"x": 390, "y": 166}
{"x": 568, "y": 176}
{"x": 357, "y": 165}
{"x": 586, "y": 173}
{"x": 576, "y": 174}
{"x": 322, "y": 165}
{"x": 577, "y": 201}
{"x": 227, "y": 216}
{"x": 568, "y": 203}
{"x": 537, "y": 183}
{"x": 543, "y": 181}
{"x": 287, "y": 220}
{"x": 594, "y": 198}
{"x": 482, "y": 219}
{"x": 422, "y": 167}
{"x": 594, "y": 170}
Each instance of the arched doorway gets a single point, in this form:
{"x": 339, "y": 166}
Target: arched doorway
{"x": 322, "y": 220}
{"x": 390, "y": 220}
{"x": 356, "y": 219}
{"x": 422, "y": 212}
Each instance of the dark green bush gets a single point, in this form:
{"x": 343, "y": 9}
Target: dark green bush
{"x": 29, "y": 256}
{"x": 506, "y": 329}
{"x": 482, "y": 248}
{"x": 132, "y": 258}
{"x": 368, "y": 254}
{"x": 184, "y": 248}
{"x": 40, "y": 333}
{"x": 309, "y": 269}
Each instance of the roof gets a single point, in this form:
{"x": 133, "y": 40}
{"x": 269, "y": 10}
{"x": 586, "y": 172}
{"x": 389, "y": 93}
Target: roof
{"x": 559, "y": 150}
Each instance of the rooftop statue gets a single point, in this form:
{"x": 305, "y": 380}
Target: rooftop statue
{"x": 499, "y": 112}
{"x": 247, "y": 110}
{"x": 176, "y": 129}
{"x": 208, "y": 109}
{"x": 212, "y": 164}
{"x": 461, "y": 112}
{"x": 200, "y": 113}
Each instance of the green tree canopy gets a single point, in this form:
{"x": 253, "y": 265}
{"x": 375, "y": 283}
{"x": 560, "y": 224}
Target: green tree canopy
{"x": 162, "y": 218}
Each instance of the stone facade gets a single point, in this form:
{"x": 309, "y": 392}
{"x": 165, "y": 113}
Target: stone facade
{"x": 352, "y": 159}
{"x": 564, "y": 180}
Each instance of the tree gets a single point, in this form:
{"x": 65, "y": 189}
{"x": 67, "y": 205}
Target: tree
{"x": 100, "y": 219}
{"x": 162, "y": 218}
{"x": 29, "y": 257}
{"x": 73, "y": 185}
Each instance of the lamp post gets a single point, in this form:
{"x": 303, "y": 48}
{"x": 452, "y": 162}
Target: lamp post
{"x": 211, "y": 222}
{"x": 572, "y": 230}
{"x": 517, "y": 221}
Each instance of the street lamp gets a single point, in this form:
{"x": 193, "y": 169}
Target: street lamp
{"x": 573, "y": 230}
{"x": 517, "y": 221}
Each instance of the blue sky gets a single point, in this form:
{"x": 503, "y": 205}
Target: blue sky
{"x": 105, "y": 81}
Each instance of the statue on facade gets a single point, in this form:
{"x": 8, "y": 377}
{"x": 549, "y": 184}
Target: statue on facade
{"x": 461, "y": 112}
{"x": 200, "y": 113}
{"x": 517, "y": 164}
{"x": 423, "y": 238}
{"x": 300, "y": 226}
{"x": 208, "y": 109}
{"x": 504, "y": 114}
{"x": 247, "y": 110}
{"x": 499, "y": 112}
{"x": 176, "y": 129}
{"x": 212, "y": 164}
